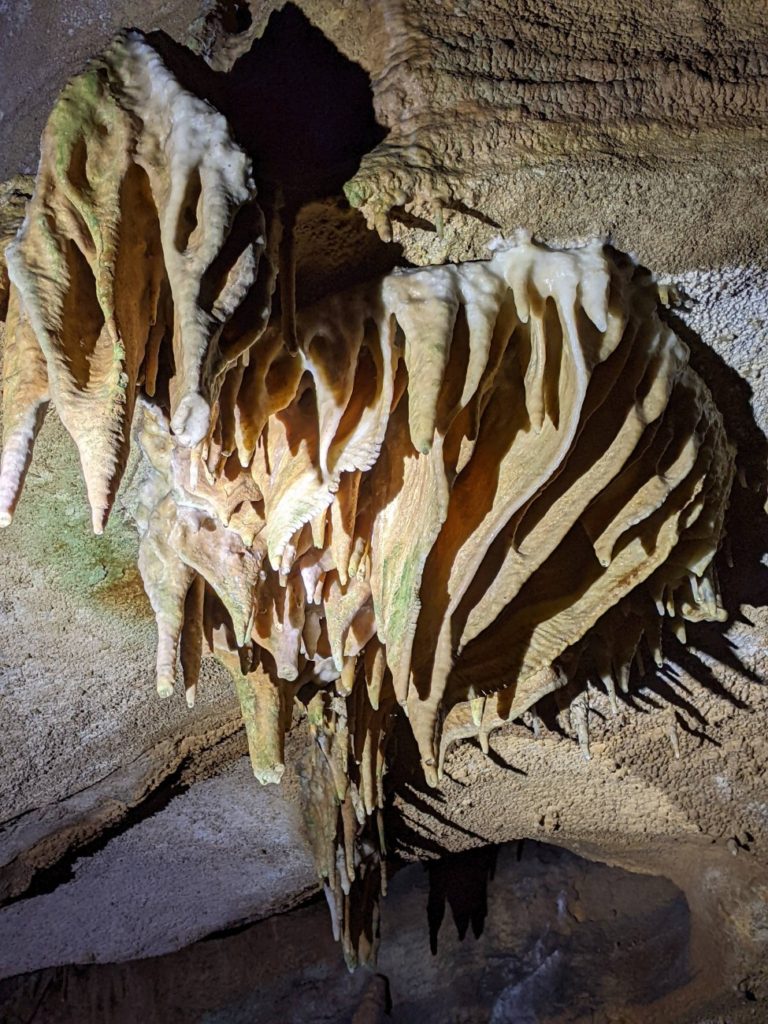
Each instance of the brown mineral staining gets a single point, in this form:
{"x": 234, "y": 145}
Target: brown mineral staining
{"x": 459, "y": 487}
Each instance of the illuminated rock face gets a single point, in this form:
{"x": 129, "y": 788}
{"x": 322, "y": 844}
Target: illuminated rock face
{"x": 489, "y": 480}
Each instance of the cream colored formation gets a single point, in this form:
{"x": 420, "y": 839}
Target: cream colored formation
{"x": 461, "y": 489}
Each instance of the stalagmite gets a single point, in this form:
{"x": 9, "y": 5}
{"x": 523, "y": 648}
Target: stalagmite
{"x": 452, "y": 484}
{"x": 580, "y": 722}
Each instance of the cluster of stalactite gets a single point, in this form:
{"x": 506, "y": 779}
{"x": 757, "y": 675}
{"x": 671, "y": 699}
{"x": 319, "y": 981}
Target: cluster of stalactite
{"x": 453, "y": 490}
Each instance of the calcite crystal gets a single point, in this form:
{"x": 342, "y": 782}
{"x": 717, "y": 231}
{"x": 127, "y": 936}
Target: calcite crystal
{"x": 455, "y": 491}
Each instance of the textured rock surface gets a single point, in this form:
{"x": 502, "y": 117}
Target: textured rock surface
{"x": 628, "y": 109}
{"x": 223, "y": 852}
{"x": 617, "y": 120}
{"x": 642, "y": 121}
{"x": 45, "y": 45}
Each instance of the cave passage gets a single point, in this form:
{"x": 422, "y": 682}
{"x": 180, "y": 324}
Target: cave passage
{"x": 304, "y": 114}
{"x": 552, "y": 936}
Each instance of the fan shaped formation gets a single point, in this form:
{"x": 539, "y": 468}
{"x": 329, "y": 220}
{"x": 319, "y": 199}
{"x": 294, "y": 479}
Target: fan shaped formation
{"x": 457, "y": 483}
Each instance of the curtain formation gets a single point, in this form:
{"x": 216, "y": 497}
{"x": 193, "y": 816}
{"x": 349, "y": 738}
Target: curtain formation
{"x": 453, "y": 490}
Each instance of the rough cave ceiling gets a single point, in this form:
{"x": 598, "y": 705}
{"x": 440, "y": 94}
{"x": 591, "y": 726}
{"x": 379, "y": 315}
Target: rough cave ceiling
{"x": 610, "y": 491}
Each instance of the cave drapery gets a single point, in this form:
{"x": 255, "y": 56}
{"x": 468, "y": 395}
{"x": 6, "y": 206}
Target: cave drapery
{"x": 451, "y": 490}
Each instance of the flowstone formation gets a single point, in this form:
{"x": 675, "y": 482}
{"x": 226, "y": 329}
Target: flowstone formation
{"x": 452, "y": 491}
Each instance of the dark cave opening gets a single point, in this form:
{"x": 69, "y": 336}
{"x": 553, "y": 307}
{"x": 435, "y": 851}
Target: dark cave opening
{"x": 235, "y": 17}
{"x": 301, "y": 108}
{"x": 304, "y": 113}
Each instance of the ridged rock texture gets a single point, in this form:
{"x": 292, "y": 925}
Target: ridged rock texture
{"x": 453, "y": 490}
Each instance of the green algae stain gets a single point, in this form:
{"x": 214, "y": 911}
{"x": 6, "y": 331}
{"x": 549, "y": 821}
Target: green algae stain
{"x": 355, "y": 193}
{"x": 401, "y": 580}
{"x": 51, "y": 535}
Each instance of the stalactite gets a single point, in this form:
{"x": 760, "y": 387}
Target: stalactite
{"x": 25, "y": 402}
{"x": 457, "y": 489}
{"x": 137, "y": 194}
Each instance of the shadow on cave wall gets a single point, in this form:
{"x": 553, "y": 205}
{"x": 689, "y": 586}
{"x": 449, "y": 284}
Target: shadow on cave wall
{"x": 460, "y": 881}
{"x": 741, "y": 572}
